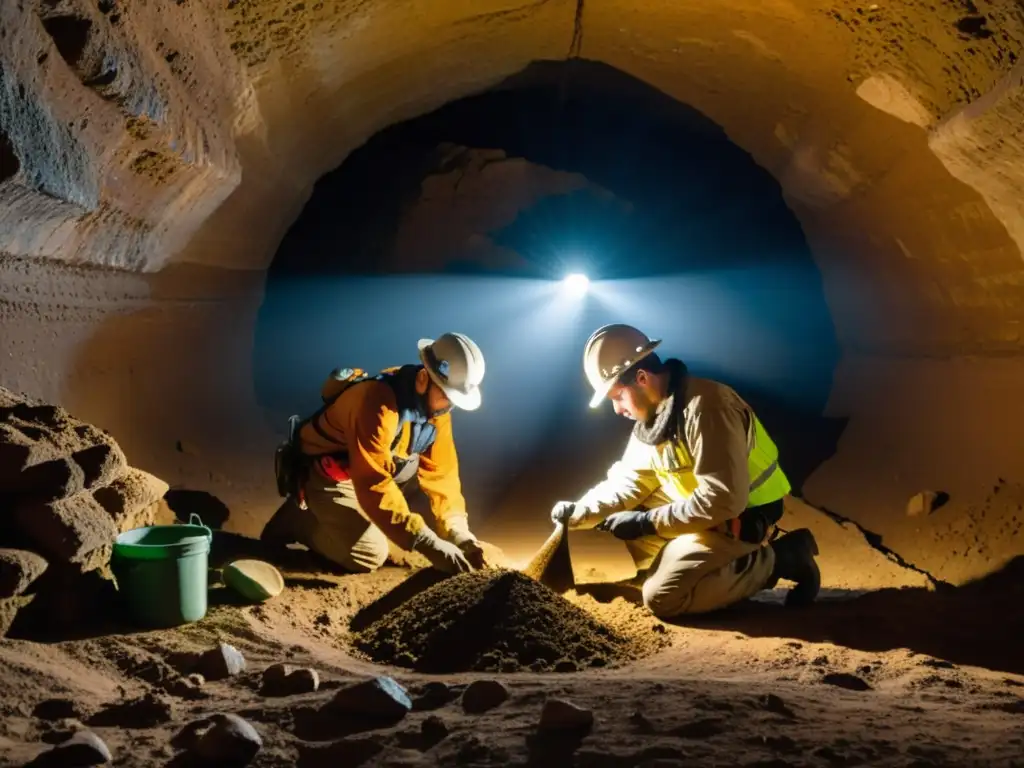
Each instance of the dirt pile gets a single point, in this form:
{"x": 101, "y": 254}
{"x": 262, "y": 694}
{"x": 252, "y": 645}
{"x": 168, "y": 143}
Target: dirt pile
{"x": 497, "y": 620}
{"x": 66, "y": 491}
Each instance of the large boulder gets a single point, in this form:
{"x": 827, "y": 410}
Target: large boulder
{"x": 67, "y": 491}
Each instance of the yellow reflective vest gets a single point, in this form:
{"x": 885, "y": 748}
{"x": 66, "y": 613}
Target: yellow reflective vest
{"x": 721, "y": 462}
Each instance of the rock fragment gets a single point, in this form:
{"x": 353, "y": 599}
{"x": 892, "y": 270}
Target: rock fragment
{"x": 84, "y": 748}
{"x": 286, "y": 680}
{"x": 561, "y": 715}
{"x": 221, "y": 662}
{"x": 482, "y": 695}
{"x": 380, "y": 698}
{"x": 230, "y": 740}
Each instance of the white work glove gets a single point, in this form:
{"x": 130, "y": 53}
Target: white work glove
{"x": 443, "y": 555}
{"x": 563, "y": 512}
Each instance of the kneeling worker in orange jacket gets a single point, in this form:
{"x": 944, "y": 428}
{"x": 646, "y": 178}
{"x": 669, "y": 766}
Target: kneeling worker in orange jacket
{"x": 363, "y": 452}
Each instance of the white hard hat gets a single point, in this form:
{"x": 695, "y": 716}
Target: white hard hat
{"x": 609, "y": 352}
{"x": 456, "y": 365}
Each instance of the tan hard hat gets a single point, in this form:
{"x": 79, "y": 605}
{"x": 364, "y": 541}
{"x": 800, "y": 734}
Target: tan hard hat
{"x": 609, "y": 352}
{"x": 456, "y": 365}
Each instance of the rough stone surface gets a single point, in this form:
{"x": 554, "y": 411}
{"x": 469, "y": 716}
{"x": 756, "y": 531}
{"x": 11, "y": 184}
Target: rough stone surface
{"x": 101, "y": 464}
{"x": 18, "y": 569}
{"x": 73, "y": 530}
{"x": 131, "y": 500}
{"x": 380, "y": 698}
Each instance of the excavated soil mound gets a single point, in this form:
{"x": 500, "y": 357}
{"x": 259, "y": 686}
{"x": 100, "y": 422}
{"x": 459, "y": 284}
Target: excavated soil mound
{"x": 496, "y": 620}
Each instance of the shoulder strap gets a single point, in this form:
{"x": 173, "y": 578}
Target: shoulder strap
{"x": 347, "y": 378}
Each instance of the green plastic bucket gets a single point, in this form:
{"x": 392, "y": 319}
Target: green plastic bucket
{"x": 161, "y": 572}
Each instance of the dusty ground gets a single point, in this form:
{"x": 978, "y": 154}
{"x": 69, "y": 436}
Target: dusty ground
{"x": 853, "y": 682}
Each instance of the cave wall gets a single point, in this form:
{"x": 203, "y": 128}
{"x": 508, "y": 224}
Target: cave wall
{"x": 148, "y": 136}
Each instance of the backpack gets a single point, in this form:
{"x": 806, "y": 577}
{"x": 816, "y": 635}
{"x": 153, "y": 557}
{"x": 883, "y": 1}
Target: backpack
{"x": 290, "y": 463}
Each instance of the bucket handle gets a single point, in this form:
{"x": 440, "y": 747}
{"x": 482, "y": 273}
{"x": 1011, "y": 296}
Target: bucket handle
{"x": 194, "y": 519}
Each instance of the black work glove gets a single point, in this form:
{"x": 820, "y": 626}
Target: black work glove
{"x": 562, "y": 511}
{"x": 474, "y": 553}
{"x": 628, "y": 525}
{"x": 443, "y": 555}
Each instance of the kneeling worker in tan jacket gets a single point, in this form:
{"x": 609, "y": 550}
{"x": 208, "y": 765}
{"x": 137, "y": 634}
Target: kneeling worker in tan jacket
{"x": 352, "y": 464}
{"x": 699, "y": 489}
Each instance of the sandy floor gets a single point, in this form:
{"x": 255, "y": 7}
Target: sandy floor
{"x": 853, "y": 682}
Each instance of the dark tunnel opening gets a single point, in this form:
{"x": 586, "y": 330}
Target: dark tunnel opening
{"x": 691, "y": 238}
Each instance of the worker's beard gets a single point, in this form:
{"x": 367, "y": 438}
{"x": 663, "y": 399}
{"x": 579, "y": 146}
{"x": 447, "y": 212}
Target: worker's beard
{"x": 646, "y": 411}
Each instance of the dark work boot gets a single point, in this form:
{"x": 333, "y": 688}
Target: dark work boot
{"x": 794, "y": 561}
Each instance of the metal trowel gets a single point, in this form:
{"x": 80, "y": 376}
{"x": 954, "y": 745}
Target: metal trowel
{"x": 552, "y": 565}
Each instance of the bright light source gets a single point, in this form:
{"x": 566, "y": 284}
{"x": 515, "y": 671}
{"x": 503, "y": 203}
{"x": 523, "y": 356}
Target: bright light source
{"x": 576, "y": 284}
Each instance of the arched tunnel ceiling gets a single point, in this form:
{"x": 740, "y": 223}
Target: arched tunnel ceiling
{"x": 181, "y": 140}
{"x": 147, "y": 135}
